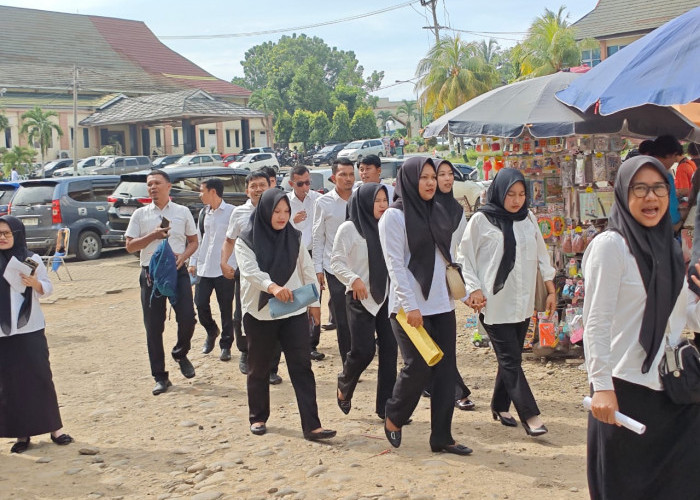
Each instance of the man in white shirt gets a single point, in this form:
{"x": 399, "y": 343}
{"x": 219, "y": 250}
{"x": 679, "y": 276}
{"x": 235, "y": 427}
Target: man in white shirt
{"x": 14, "y": 175}
{"x": 256, "y": 184}
{"x": 205, "y": 263}
{"x": 370, "y": 169}
{"x": 330, "y": 213}
{"x": 149, "y": 225}
{"x": 302, "y": 200}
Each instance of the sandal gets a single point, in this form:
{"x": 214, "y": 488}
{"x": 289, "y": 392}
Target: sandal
{"x": 62, "y": 440}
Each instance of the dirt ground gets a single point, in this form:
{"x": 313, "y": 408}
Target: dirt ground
{"x": 194, "y": 442}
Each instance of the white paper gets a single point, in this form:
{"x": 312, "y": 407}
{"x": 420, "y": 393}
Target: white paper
{"x": 13, "y": 272}
{"x": 621, "y": 419}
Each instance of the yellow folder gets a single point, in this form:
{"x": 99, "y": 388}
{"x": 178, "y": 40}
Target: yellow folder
{"x": 426, "y": 346}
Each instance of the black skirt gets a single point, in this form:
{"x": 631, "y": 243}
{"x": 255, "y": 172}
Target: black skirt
{"x": 28, "y": 403}
{"x": 660, "y": 464}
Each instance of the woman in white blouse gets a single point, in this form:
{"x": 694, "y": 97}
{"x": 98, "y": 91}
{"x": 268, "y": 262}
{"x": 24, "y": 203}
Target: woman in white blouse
{"x": 273, "y": 263}
{"x": 358, "y": 263}
{"x": 499, "y": 254}
{"x": 416, "y": 244}
{"x": 28, "y": 403}
{"x": 636, "y": 296}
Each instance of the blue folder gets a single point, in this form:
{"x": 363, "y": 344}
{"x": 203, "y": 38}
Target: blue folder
{"x": 303, "y": 296}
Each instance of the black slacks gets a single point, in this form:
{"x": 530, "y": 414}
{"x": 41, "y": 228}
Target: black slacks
{"x": 293, "y": 336}
{"x": 362, "y": 347}
{"x": 416, "y": 373}
{"x": 154, "y": 313}
{"x": 511, "y": 385}
{"x": 224, "y": 289}
{"x": 340, "y": 314}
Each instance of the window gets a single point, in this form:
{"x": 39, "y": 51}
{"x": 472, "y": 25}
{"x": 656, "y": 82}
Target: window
{"x": 252, "y": 137}
{"x": 176, "y": 137}
{"x": 187, "y": 184}
{"x": 201, "y": 138}
{"x": 158, "y": 141}
{"x": 233, "y": 183}
{"x": 80, "y": 191}
{"x": 86, "y": 138}
{"x": 590, "y": 57}
{"x": 615, "y": 48}
{"x": 238, "y": 142}
{"x": 207, "y": 159}
{"x": 71, "y": 135}
{"x": 228, "y": 138}
{"x": 102, "y": 192}
{"x": 8, "y": 138}
{"x": 37, "y": 194}
{"x": 131, "y": 162}
{"x": 142, "y": 160}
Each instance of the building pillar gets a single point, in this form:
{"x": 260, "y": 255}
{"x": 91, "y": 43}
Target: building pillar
{"x": 133, "y": 140}
{"x": 189, "y": 137}
{"x": 245, "y": 133}
{"x": 168, "y": 139}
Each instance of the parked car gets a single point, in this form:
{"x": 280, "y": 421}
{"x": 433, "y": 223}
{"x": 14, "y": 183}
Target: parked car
{"x": 229, "y": 158}
{"x": 49, "y": 168}
{"x": 132, "y": 193}
{"x": 328, "y": 153}
{"x": 7, "y": 192}
{"x": 119, "y": 165}
{"x": 468, "y": 192}
{"x": 257, "y": 150}
{"x": 320, "y": 180}
{"x": 78, "y": 203}
{"x": 468, "y": 172}
{"x": 254, "y": 161}
{"x": 205, "y": 160}
{"x": 84, "y": 167}
{"x": 164, "y": 161}
{"x": 357, "y": 150}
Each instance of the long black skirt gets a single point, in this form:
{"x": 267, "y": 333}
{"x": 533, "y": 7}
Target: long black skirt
{"x": 660, "y": 464}
{"x": 28, "y": 403}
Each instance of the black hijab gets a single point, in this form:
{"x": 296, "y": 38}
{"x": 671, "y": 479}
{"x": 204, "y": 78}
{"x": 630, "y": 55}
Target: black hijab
{"x": 361, "y": 213}
{"x": 448, "y": 210}
{"x": 20, "y": 252}
{"x": 425, "y": 228}
{"x": 497, "y": 215}
{"x": 657, "y": 253}
{"x": 275, "y": 250}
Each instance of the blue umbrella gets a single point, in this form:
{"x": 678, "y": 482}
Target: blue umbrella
{"x": 659, "y": 68}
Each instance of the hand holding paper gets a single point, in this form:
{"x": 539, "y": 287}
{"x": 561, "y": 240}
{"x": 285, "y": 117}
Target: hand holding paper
{"x": 623, "y": 420}
{"x": 13, "y": 274}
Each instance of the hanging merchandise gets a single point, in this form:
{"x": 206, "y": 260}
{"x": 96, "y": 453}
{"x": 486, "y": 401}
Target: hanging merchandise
{"x": 599, "y": 170}
{"x": 557, "y": 225}
{"x": 546, "y": 226}
{"x": 580, "y": 175}
{"x": 585, "y": 144}
{"x": 601, "y": 143}
{"x": 577, "y": 242}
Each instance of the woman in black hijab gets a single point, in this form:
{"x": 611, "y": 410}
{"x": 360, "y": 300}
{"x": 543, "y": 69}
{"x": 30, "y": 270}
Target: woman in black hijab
{"x": 28, "y": 403}
{"x": 357, "y": 261}
{"x": 636, "y": 301}
{"x": 500, "y": 253}
{"x": 415, "y": 240}
{"x": 273, "y": 263}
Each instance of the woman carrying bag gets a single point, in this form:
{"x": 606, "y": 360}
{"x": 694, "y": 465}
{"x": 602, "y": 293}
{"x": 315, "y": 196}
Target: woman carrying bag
{"x": 637, "y": 301}
{"x": 416, "y": 261}
{"x": 273, "y": 263}
{"x": 499, "y": 254}
{"x": 28, "y": 403}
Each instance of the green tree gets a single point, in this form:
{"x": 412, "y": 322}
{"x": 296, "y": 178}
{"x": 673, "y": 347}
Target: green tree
{"x": 408, "y": 109}
{"x": 4, "y": 122}
{"x": 488, "y": 51}
{"x": 452, "y": 73}
{"x": 384, "y": 116}
{"x": 283, "y": 128}
{"x": 364, "y": 124}
{"x": 340, "y": 126}
{"x": 301, "y": 126}
{"x": 320, "y": 128}
{"x": 39, "y": 128}
{"x": 550, "y": 44}
{"x": 349, "y": 95}
{"x": 267, "y": 100}
{"x": 19, "y": 157}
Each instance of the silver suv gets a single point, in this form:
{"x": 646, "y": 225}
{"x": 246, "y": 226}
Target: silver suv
{"x": 119, "y": 165}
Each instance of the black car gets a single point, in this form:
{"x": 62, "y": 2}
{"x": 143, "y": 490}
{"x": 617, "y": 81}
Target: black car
{"x": 132, "y": 193}
{"x": 328, "y": 154}
{"x": 164, "y": 161}
{"x": 52, "y": 166}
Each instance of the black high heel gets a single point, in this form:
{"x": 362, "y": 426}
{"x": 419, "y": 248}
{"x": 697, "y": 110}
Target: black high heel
{"x": 344, "y": 404}
{"x": 537, "y": 431}
{"x": 507, "y": 421}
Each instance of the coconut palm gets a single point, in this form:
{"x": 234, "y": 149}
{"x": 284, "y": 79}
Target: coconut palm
{"x": 488, "y": 51}
{"x": 20, "y": 157}
{"x": 452, "y": 73}
{"x": 409, "y": 109}
{"x": 550, "y": 45}
{"x": 384, "y": 116}
{"x": 37, "y": 124}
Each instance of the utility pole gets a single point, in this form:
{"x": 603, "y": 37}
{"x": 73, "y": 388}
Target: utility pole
{"x": 435, "y": 28}
{"x": 75, "y": 119}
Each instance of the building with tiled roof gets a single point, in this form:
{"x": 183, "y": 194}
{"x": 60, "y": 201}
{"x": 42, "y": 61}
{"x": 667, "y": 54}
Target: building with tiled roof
{"x": 38, "y": 52}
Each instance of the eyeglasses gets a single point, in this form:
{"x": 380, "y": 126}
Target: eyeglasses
{"x": 303, "y": 183}
{"x": 641, "y": 190}
{"x": 6, "y": 234}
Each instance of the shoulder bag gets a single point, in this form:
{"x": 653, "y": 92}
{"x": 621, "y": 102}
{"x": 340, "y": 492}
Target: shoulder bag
{"x": 680, "y": 372}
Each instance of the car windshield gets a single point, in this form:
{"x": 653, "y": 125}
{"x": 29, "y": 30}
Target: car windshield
{"x": 51, "y": 164}
{"x": 247, "y": 158}
{"x": 327, "y": 149}
{"x": 38, "y": 194}
{"x": 132, "y": 189}
{"x": 184, "y": 160}
{"x": 354, "y": 145}
{"x": 108, "y": 162}
{"x": 6, "y": 193}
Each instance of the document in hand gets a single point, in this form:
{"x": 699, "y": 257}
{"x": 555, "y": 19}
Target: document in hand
{"x": 426, "y": 346}
{"x": 13, "y": 272}
{"x": 303, "y": 296}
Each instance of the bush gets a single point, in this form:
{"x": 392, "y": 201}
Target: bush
{"x": 432, "y": 142}
{"x": 411, "y": 148}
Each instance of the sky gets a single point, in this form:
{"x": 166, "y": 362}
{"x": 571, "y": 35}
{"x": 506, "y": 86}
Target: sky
{"x": 393, "y": 41}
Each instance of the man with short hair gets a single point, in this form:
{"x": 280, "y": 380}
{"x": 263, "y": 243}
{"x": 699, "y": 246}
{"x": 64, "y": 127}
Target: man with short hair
{"x": 272, "y": 175}
{"x": 205, "y": 263}
{"x": 330, "y": 212}
{"x": 149, "y": 225}
{"x": 302, "y": 199}
{"x": 370, "y": 169}
{"x": 14, "y": 175}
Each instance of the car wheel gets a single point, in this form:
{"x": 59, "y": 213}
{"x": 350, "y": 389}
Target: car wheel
{"x": 89, "y": 246}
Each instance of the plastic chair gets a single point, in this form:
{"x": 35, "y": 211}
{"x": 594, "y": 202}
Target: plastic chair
{"x": 55, "y": 261}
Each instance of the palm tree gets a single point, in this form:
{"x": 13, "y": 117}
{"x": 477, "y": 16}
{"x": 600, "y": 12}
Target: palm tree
{"x": 550, "y": 45}
{"x": 18, "y": 156}
{"x": 384, "y": 116}
{"x": 40, "y": 128}
{"x": 452, "y": 73}
{"x": 488, "y": 51}
{"x": 409, "y": 109}
{"x": 4, "y": 122}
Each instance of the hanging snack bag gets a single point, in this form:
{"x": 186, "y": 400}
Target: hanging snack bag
{"x": 601, "y": 143}
{"x": 585, "y": 143}
{"x": 580, "y": 173}
{"x": 567, "y": 245}
{"x": 599, "y": 171}
{"x": 577, "y": 242}
{"x": 547, "y": 333}
{"x": 617, "y": 143}
{"x": 567, "y": 172}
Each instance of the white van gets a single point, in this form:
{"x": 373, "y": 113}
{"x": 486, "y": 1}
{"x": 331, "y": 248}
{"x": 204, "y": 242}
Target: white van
{"x": 357, "y": 150}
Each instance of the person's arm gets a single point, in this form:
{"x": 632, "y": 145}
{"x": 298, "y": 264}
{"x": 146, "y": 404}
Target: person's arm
{"x": 546, "y": 268}
{"x": 319, "y": 241}
{"x": 228, "y": 247}
{"x": 192, "y": 241}
{"x": 466, "y": 257}
{"x": 134, "y": 242}
{"x": 306, "y": 265}
{"x": 39, "y": 281}
{"x": 392, "y": 237}
{"x": 340, "y": 264}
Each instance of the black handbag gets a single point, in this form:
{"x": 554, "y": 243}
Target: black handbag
{"x": 680, "y": 372}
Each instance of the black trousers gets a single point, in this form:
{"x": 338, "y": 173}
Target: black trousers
{"x": 224, "y": 289}
{"x": 154, "y": 313}
{"x": 362, "y": 347}
{"x": 511, "y": 385}
{"x": 340, "y": 314}
{"x": 416, "y": 373}
{"x": 293, "y": 336}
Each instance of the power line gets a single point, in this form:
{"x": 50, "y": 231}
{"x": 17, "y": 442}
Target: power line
{"x": 296, "y": 28}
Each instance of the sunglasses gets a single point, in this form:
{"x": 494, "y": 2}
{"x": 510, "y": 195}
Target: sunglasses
{"x": 303, "y": 183}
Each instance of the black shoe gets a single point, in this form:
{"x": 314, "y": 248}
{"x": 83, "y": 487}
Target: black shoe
{"x": 344, "y": 404}
{"x": 507, "y": 421}
{"x": 329, "y": 326}
{"x": 243, "y": 363}
{"x": 407, "y": 422}
{"x": 258, "y": 430}
{"x": 186, "y": 367}
{"x": 316, "y": 436}
{"x": 225, "y": 355}
{"x": 537, "y": 431}
{"x": 426, "y": 393}
{"x": 62, "y": 440}
{"x": 467, "y": 405}
{"x": 317, "y": 356}
{"x": 209, "y": 344}
{"x": 275, "y": 379}
{"x": 456, "y": 449}
{"x": 20, "y": 446}
{"x": 394, "y": 437}
{"x": 161, "y": 386}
